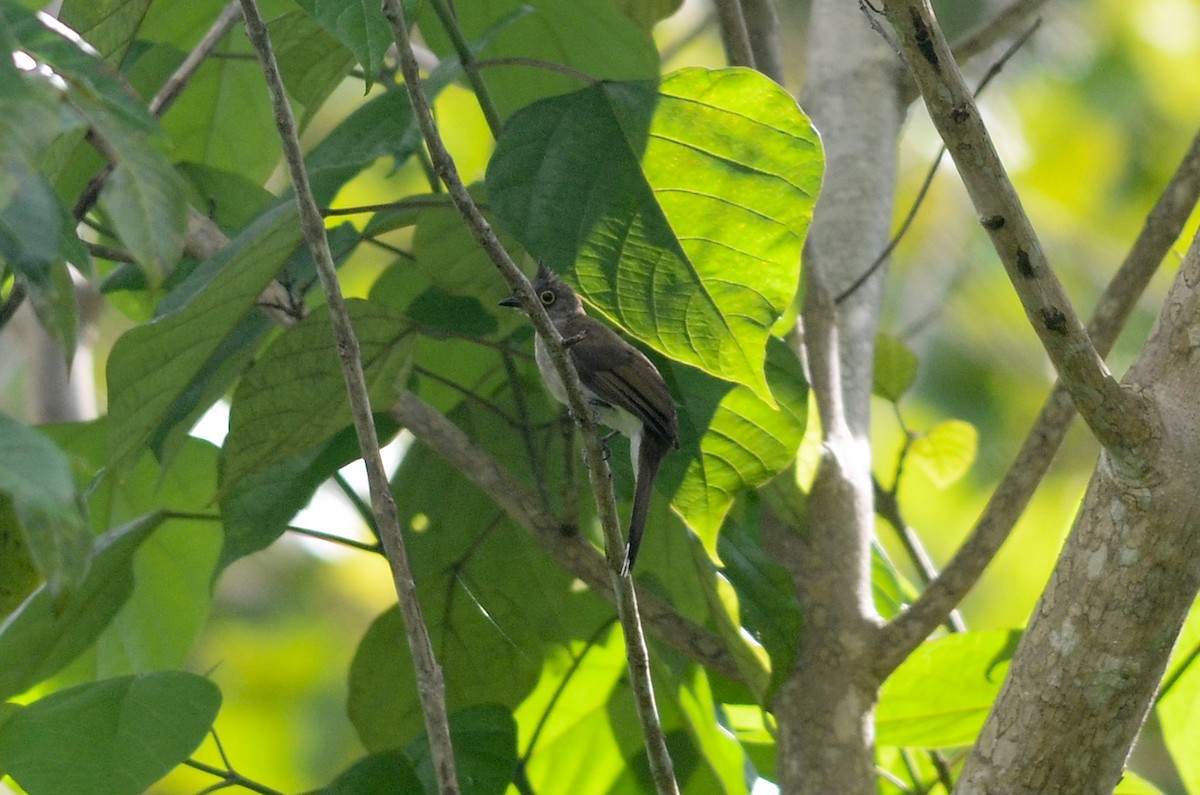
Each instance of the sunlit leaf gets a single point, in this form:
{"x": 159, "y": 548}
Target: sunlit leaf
{"x": 941, "y": 694}
{"x": 485, "y": 751}
{"x": 946, "y": 451}
{"x": 677, "y": 209}
{"x": 126, "y": 733}
{"x": 895, "y": 368}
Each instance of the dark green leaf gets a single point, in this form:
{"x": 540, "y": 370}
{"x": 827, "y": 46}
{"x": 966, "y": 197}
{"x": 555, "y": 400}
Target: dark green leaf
{"x": 590, "y": 36}
{"x": 154, "y": 367}
{"x": 678, "y": 210}
{"x": 294, "y": 398}
{"x": 485, "y": 751}
{"x": 41, "y": 637}
{"x": 311, "y": 62}
{"x": 37, "y": 478}
{"x": 360, "y": 25}
{"x": 122, "y": 734}
{"x": 384, "y": 773}
{"x": 108, "y": 25}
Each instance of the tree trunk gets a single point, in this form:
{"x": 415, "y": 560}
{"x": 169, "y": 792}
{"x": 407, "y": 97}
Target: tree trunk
{"x": 1087, "y": 668}
{"x": 826, "y": 737}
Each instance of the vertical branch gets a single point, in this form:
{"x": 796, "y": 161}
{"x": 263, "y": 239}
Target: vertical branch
{"x": 733, "y": 33}
{"x": 430, "y": 684}
{"x": 637, "y": 655}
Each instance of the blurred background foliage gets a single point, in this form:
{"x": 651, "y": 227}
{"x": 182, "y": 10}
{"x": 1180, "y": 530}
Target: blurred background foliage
{"x": 1091, "y": 117}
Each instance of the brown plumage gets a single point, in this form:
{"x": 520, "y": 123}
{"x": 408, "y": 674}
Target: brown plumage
{"x": 623, "y": 387}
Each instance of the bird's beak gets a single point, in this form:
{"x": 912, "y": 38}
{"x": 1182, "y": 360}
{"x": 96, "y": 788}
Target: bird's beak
{"x": 511, "y": 301}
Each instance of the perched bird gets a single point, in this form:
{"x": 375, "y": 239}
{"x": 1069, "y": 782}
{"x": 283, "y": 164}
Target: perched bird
{"x": 624, "y": 389}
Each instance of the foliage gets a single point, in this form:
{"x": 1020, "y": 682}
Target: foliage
{"x": 675, "y": 200}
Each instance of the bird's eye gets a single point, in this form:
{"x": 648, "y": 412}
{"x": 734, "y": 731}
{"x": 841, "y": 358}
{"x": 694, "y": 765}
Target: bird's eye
{"x": 547, "y": 297}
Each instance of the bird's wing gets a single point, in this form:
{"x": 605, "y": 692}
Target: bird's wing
{"x": 621, "y": 375}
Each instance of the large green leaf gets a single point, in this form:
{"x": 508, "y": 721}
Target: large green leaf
{"x": 158, "y": 625}
{"x": 155, "y": 367}
{"x": 941, "y": 694}
{"x": 36, "y": 477}
{"x": 108, "y": 25}
{"x": 743, "y": 442}
{"x": 122, "y": 735}
{"x": 678, "y": 210}
{"x": 382, "y": 773}
{"x": 488, "y": 591}
{"x": 311, "y": 61}
{"x": 294, "y": 398}
{"x": 42, "y": 636}
{"x": 590, "y": 36}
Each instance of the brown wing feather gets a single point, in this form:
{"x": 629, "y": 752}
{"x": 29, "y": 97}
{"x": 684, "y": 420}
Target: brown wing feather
{"x": 626, "y": 378}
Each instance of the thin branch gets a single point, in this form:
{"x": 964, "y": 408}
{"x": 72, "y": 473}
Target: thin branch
{"x": 563, "y": 543}
{"x": 661, "y": 767}
{"x": 431, "y": 686}
{"x": 335, "y": 539}
{"x": 923, "y": 191}
{"x": 174, "y": 85}
{"x": 166, "y": 95}
{"x": 411, "y": 203}
{"x": 762, "y": 28}
{"x": 1162, "y": 228}
{"x": 469, "y": 64}
{"x": 982, "y": 38}
{"x": 1116, "y": 416}
{"x": 734, "y": 37}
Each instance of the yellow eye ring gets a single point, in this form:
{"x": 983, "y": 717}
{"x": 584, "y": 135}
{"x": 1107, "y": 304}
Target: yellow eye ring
{"x": 547, "y": 297}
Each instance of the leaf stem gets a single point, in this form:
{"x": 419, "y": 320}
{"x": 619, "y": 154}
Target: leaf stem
{"x": 470, "y": 66}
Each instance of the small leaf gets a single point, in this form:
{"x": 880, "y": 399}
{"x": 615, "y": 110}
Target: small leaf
{"x": 941, "y": 694}
{"x": 946, "y": 452}
{"x": 122, "y": 734}
{"x": 41, "y": 637}
{"x": 144, "y": 198}
{"x": 358, "y": 24}
{"x": 895, "y": 368}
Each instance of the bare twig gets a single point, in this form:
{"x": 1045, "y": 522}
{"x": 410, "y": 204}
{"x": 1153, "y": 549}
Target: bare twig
{"x": 174, "y": 85}
{"x": 661, "y": 766}
{"x": 1162, "y": 228}
{"x": 431, "y": 687}
{"x": 1117, "y": 417}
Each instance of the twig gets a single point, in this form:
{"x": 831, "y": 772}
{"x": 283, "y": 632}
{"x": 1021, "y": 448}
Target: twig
{"x": 1116, "y": 416}
{"x": 601, "y": 479}
{"x": 431, "y": 686}
{"x": 174, "y": 85}
{"x": 167, "y": 94}
{"x": 762, "y": 28}
{"x": 734, "y": 37}
{"x": 1162, "y": 228}
{"x": 992, "y": 71}
{"x": 470, "y": 66}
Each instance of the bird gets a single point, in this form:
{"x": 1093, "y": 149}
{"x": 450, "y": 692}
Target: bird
{"x": 624, "y": 389}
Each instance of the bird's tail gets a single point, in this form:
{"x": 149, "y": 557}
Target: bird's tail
{"x": 651, "y": 452}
